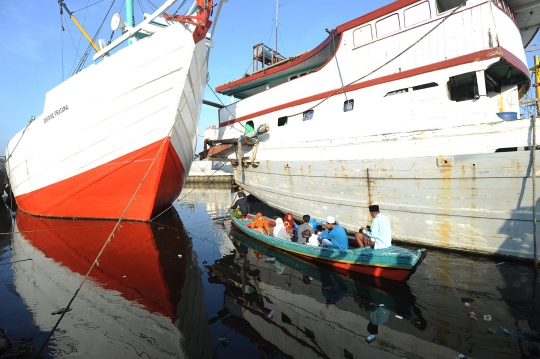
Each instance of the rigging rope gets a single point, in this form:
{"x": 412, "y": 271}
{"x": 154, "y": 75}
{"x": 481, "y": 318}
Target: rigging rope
{"x": 182, "y": 4}
{"x": 89, "y": 48}
{"x": 226, "y": 107}
{"x": 117, "y": 225}
{"x": 179, "y": 199}
{"x": 337, "y": 63}
{"x": 80, "y": 36}
{"x": 62, "y": 42}
{"x": 86, "y": 7}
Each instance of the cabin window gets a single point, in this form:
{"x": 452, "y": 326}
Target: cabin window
{"x": 282, "y": 121}
{"x": 250, "y": 127}
{"x": 388, "y": 25}
{"x": 417, "y": 14}
{"x": 308, "y": 115}
{"x": 425, "y": 86}
{"x": 348, "y": 105}
{"x": 463, "y": 87}
{"x": 362, "y": 35}
{"x": 445, "y": 5}
{"x": 411, "y": 89}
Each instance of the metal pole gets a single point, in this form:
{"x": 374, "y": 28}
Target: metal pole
{"x": 537, "y": 71}
{"x": 129, "y": 16}
{"x": 534, "y": 191}
{"x": 275, "y": 55}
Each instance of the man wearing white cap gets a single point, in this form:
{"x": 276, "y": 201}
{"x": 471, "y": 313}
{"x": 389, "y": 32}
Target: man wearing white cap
{"x": 334, "y": 235}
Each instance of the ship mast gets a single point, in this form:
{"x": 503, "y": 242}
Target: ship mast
{"x": 129, "y": 16}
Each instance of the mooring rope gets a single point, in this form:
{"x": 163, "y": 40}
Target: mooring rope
{"x": 117, "y": 225}
{"x": 179, "y": 199}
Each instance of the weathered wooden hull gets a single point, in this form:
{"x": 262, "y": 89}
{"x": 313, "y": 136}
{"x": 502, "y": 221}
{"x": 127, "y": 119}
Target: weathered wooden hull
{"x": 480, "y": 203}
{"x": 392, "y": 263}
{"x": 445, "y": 168}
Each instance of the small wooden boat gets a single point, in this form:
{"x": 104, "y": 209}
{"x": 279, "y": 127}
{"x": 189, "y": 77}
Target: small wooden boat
{"x": 393, "y": 263}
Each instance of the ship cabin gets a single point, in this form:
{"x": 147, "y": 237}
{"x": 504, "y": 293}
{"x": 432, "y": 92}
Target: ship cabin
{"x": 472, "y": 49}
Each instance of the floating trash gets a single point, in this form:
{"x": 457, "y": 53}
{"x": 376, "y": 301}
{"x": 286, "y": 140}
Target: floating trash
{"x": 60, "y": 311}
{"x": 224, "y": 341}
{"x": 271, "y": 314}
{"x": 161, "y": 228}
{"x": 472, "y": 315}
{"x": 487, "y": 318}
{"x": 270, "y": 260}
{"x": 370, "y": 339}
{"x": 460, "y": 356}
{"x": 467, "y": 304}
{"x": 399, "y": 316}
{"x": 179, "y": 256}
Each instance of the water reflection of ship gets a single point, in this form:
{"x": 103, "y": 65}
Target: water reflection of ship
{"x": 301, "y": 310}
{"x": 146, "y": 295}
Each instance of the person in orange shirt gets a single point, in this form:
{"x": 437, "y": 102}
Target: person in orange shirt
{"x": 260, "y": 224}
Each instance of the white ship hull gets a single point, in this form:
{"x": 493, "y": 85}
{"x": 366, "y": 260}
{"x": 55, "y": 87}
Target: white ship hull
{"x": 423, "y": 138}
{"x": 131, "y": 116}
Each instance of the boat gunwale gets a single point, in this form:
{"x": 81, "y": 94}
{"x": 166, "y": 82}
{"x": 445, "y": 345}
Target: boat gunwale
{"x": 414, "y": 255}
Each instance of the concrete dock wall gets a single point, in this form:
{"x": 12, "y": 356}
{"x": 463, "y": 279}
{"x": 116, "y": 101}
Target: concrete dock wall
{"x": 200, "y": 170}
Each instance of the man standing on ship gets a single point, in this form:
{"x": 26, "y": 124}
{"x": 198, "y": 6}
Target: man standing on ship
{"x": 380, "y": 232}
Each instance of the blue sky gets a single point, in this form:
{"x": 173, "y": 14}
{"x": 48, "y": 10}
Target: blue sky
{"x": 36, "y": 55}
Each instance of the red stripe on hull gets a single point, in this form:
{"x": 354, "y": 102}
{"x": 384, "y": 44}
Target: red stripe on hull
{"x": 105, "y": 191}
{"x": 465, "y": 59}
{"x": 377, "y": 272}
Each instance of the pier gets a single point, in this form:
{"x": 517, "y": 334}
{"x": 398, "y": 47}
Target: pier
{"x": 210, "y": 172}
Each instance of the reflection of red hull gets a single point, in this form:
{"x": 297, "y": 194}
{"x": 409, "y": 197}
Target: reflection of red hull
{"x": 105, "y": 191}
{"x": 131, "y": 264}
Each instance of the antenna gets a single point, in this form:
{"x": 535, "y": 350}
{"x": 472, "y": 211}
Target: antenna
{"x": 277, "y": 7}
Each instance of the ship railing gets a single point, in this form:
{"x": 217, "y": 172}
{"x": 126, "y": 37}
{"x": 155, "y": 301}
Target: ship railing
{"x": 145, "y": 26}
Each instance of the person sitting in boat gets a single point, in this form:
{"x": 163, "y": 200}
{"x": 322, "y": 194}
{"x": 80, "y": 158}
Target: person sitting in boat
{"x": 280, "y": 231}
{"x": 381, "y": 232}
{"x": 313, "y": 239}
{"x": 334, "y": 235}
{"x": 319, "y": 231}
{"x": 362, "y": 239}
{"x": 303, "y": 227}
{"x": 260, "y": 224}
{"x": 290, "y": 225}
{"x": 242, "y": 204}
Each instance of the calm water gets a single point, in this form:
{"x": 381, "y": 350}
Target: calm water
{"x": 187, "y": 287}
